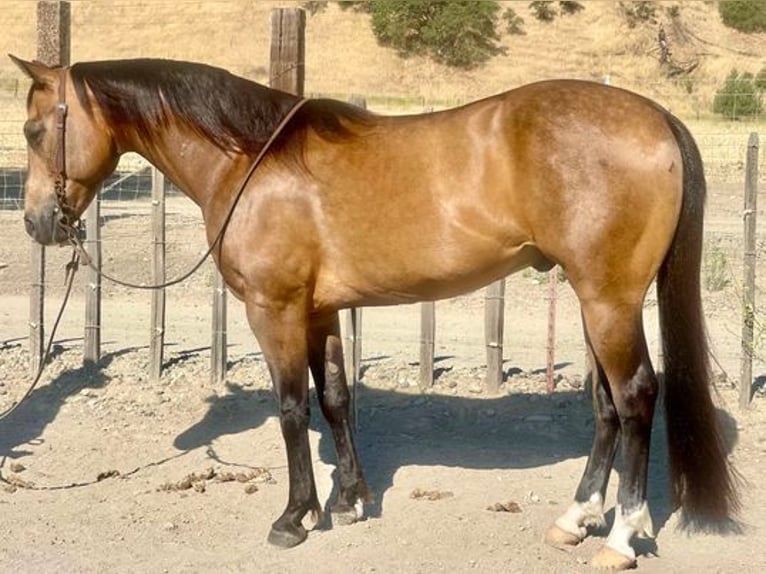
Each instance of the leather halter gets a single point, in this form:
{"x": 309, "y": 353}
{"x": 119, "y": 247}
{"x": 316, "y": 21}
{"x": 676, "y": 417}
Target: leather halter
{"x": 73, "y": 225}
{"x": 65, "y": 212}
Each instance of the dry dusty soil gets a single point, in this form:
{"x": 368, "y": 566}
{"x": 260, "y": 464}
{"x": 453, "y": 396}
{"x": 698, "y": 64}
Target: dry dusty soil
{"x": 105, "y": 471}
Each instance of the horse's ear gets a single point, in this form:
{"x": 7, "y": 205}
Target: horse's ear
{"x": 38, "y": 72}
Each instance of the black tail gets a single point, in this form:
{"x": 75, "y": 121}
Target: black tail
{"x": 702, "y": 480}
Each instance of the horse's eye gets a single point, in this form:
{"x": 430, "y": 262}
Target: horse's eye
{"x": 34, "y": 132}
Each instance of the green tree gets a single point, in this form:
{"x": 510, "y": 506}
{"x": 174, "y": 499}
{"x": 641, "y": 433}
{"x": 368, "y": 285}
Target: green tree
{"x": 457, "y": 33}
{"x": 638, "y": 12}
{"x": 738, "y": 97}
{"x": 744, "y": 15}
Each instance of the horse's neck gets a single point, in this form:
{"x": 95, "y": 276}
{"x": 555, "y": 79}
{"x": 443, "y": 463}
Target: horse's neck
{"x": 196, "y": 166}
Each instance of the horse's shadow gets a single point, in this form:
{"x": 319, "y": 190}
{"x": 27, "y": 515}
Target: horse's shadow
{"x": 400, "y": 429}
{"x": 27, "y": 423}
{"x": 516, "y": 431}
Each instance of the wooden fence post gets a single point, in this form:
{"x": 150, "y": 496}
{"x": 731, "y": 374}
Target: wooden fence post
{"x": 353, "y": 351}
{"x": 92, "y": 343}
{"x": 427, "y": 336}
{"x": 218, "y": 351}
{"x": 53, "y": 42}
{"x": 494, "y": 327}
{"x": 157, "y": 335}
{"x": 748, "y": 286}
{"x": 550, "y": 361}
{"x": 288, "y": 50}
{"x": 353, "y": 355}
{"x": 286, "y": 73}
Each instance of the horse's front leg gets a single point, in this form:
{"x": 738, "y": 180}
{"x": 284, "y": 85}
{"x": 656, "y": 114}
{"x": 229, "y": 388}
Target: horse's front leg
{"x": 281, "y": 330}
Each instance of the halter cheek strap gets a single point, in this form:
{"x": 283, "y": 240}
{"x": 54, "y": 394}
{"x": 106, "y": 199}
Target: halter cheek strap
{"x": 61, "y": 113}
{"x": 66, "y": 218}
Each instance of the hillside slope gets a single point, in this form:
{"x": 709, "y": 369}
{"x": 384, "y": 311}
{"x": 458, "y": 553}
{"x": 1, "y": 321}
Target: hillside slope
{"x": 344, "y": 58}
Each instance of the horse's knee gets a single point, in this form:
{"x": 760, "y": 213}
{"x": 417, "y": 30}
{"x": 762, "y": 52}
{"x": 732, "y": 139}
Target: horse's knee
{"x": 336, "y": 394}
{"x": 294, "y": 413}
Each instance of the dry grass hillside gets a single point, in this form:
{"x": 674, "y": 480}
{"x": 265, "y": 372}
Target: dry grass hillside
{"x": 343, "y": 57}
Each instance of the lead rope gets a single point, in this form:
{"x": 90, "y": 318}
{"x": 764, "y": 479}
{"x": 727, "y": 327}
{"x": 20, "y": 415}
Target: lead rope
{"x": 73, "y": 228}
{"x": 71, "y": 269}
{"x": 76, "y": 241}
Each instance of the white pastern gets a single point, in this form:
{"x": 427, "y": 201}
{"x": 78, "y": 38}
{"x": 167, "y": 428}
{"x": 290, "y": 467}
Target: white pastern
{"x": 626, "y": 526}
{"x": 359, "y": 508}
{"x": 580, "y": 515}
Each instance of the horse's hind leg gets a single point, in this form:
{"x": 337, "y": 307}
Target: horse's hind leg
{"x": 588, "y": 508}
{"x": 626, "y": 376}
{"x": 281, "y": 331}
{"x": 326, "y": 363}
{"x": 618, "y": 342}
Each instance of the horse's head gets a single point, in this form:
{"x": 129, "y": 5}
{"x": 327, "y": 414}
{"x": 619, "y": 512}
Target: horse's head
{"x": 70, "y": 150}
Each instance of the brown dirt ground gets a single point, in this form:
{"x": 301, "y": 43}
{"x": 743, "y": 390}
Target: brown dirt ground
{"x": 96, "y": 460}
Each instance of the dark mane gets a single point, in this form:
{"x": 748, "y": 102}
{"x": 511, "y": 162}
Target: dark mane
{"x": 236, "y": 114}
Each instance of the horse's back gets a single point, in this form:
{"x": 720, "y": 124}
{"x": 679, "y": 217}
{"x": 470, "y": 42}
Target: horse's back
{"x": 424, "y": 207}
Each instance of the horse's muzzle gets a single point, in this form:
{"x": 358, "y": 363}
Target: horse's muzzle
{"x": 44, "y": 226}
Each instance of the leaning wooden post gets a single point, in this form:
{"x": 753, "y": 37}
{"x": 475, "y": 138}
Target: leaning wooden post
{"x": 494, "y": 323}
{"x": 157, "y": 335}
{"x": 427, "y": 336}
{"x": 53, "y": 42}
{"x": 748, "y": 287}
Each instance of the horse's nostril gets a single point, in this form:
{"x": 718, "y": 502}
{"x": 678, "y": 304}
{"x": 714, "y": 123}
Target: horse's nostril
{"x": 30, "y": 225}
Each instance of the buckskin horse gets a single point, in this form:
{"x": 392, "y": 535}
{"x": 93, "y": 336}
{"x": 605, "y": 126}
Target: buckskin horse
{"x": 312, "y": 206}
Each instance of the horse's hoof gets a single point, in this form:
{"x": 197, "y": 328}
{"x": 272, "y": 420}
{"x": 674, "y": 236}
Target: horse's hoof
{"x": 609, "y": 559}
{"x": 560, "y": 538}
{"x": 345, "y": 514}
{"x": 287, "y": 535}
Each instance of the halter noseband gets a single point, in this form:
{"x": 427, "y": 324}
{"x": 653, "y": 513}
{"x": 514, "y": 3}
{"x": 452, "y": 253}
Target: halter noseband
{"x": 65, "y": 212}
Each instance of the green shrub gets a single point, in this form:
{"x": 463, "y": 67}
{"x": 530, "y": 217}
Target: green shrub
{"x": 738, "y": 97}
{"x": 570, "y": 7}
{"x": 638, "y": 12}
{"x": 514, "y": 24}
{"x": 744, "y": 15}
{"x": 760, "y": 80}
{"x": 716, "y": 269}
{"x": 458, "y": 33}
{"x": 543, "y": 10}
{"x": 314, "y": 6}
